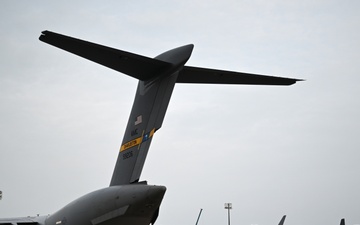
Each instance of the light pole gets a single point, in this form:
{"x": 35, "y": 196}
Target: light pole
{"x": 228, "y": 206}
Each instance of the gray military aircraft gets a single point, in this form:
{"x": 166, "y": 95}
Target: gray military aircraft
{"x": 342, "y": 221}
{"x": 129, "y": 201}
{"x": 282, "y": 220}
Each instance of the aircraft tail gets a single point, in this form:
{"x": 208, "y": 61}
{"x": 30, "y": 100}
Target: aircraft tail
{"x": 157, "y": 77}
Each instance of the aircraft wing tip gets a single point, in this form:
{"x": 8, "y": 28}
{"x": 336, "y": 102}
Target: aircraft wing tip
{"x": 294, "y": 81}
{"x": 42, "y": 35}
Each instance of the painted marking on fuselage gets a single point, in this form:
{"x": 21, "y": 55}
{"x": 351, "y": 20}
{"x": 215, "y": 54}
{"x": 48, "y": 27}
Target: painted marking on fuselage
{"x": 134, "y": 132}
{"x": 127, "y": 154}
{"x": 137, "y": 141}
{"x": 138, "y": 120}
{"x": 131, "y": 144}
{"x": 142, "y": 138}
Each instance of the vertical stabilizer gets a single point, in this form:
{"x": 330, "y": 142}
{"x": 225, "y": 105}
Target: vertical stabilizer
{"x": 148, "y": 112}
{"x": 146, "y": 117}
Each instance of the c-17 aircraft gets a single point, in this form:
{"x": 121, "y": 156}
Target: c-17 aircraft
{"x": 127, "y": 200}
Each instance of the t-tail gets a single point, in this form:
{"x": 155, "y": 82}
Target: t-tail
{"x": 157, "y": 77}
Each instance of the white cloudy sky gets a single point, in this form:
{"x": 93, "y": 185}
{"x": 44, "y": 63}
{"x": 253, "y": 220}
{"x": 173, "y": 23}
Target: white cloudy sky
{"x": 269, "y": 150}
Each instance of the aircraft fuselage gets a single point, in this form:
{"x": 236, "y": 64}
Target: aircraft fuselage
{"x": 134, "y": 204}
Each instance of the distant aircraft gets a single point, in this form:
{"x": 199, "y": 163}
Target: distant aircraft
{"x": 129, "y": 201}
{"x": 282, "y": 220}
{"x": 342, "y": 221}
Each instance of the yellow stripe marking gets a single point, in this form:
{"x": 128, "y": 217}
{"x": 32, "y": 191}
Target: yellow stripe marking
{"x": 142, "y": 136}
{"x": 130, "y": 144}
{"x": 136, "y": 141}
{"x": 152, "y": 132}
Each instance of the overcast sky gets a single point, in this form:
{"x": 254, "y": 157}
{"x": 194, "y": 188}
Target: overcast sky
{"x": 268, "y": 150}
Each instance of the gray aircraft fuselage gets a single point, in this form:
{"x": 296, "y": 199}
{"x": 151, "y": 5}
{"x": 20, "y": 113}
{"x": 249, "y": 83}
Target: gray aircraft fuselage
{"x": 124, "y": 204}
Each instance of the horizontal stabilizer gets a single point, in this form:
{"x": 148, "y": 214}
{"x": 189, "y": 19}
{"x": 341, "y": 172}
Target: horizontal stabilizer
{"x": 137, "y": 66}
{"x": 211, "y": 76}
